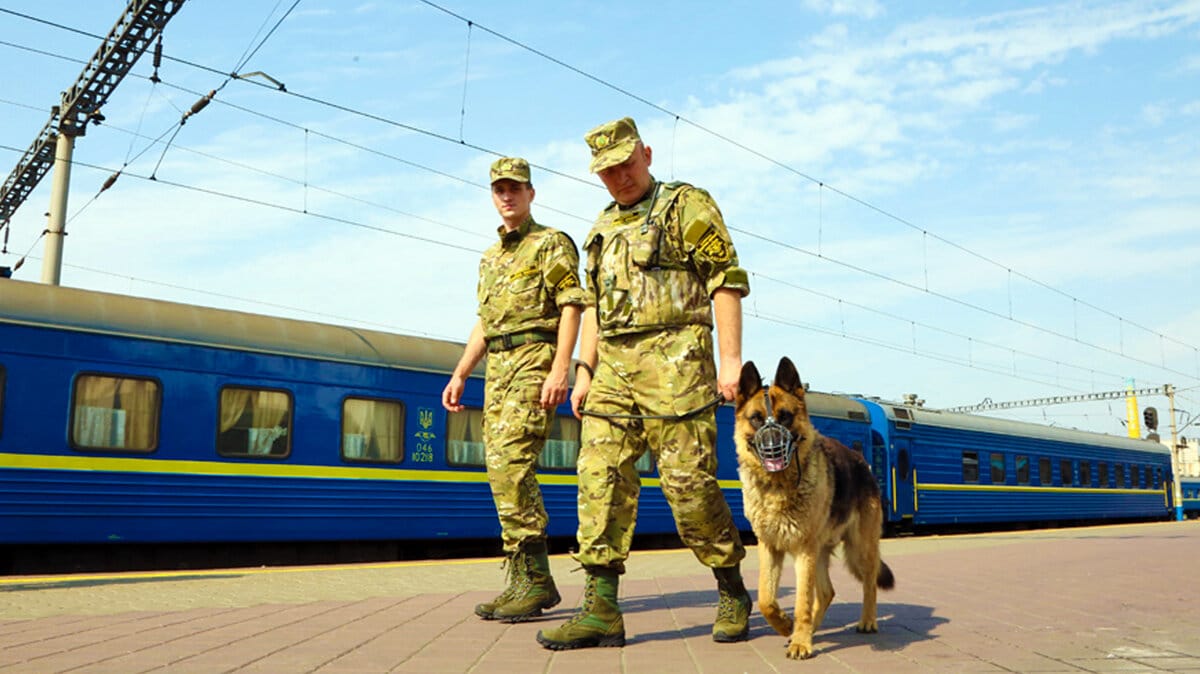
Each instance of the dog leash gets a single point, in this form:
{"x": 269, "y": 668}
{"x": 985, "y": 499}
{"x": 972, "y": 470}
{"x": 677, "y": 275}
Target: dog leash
{"x": 703, "y": 408}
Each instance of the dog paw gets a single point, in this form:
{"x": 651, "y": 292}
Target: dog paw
{"x": 798, "y": 651}
{"x": 779, "y": 621}
{"x": 867, "y": 627}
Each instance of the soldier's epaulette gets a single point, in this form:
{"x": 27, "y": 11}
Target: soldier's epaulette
{"x": 568, "y": 238}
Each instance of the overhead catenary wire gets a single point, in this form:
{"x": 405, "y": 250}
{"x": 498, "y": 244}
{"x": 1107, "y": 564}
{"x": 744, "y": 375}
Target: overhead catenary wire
{"x": 269, "y": 204}
{"x": 785, "y": 283}
{"x": 821, "y": 185}
{"x": 780, "y": 244}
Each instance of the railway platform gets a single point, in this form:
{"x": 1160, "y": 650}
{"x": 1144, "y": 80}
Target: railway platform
{"x": 1101, "y": 599}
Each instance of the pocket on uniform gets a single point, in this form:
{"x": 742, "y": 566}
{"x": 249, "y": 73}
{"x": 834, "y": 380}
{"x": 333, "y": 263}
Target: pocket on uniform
{"x": 525, "y": 284}
{"x": 536, "y": 420}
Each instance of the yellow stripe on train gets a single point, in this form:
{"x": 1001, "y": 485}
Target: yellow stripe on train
{"x": 179, "y": 467}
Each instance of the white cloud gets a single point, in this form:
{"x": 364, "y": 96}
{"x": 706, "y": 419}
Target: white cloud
{"x": 864, "y": 9}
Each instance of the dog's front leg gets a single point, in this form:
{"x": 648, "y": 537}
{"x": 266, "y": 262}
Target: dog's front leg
{"x": 800, "y": 645}
{"x": 770, "y": 567}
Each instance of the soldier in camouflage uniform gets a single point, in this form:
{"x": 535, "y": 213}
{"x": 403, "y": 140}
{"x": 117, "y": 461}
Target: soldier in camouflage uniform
{"x": 659, "y": 264}
{"x": 530, "y": 303}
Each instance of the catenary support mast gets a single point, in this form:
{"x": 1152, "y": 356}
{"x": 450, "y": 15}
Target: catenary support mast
{"x": 142, "y": 21}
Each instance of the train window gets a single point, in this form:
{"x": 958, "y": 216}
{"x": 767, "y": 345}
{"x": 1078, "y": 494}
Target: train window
{"x": 998, "y": 472}
{"x": 464, "y": 438}
{"x": 254, "y": 422}
{"x": 1119, "y": 475}
{"x": 1158, "y": 478}
{"x": 372, "y": 430}
{"x": 115, "y": 412}
{"x": 1085, "y": 473}
{"x": 1044, "y": 475}
{"x": 2, "y": 378}
{"x": 645, "y": 463}
{"x": 1022, "y": 465}
{"x": 970, "y": 463}
{"x": 1103, "y": 468}
{"x": 1065, "y": 473}
{"x": 1135, "y": 477}
{"x": 562, "y": 447}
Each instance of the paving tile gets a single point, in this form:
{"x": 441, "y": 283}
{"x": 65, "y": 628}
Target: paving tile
{"x": 1102, "y": 599}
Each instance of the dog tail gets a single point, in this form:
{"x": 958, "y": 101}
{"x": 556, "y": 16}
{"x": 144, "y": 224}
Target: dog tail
{"x": 885, "y": 580}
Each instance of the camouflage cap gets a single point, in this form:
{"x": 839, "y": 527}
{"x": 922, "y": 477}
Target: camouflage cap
{"x": 612, "y": 143}
{"x": 510, "y": 168}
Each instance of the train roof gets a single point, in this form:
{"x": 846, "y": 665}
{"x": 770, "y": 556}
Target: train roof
{"x": 973, "y": 422}
{"x": 58, "y": 307}
{"x": 836, "y": 406}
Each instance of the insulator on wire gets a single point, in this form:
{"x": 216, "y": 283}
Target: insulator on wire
{"x": 157, "y": 60}
{"x": 109, "y": 182}
{"x": 199, "y": 105}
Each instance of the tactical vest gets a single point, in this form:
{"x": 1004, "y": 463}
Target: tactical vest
{"x": 639, "y": 273}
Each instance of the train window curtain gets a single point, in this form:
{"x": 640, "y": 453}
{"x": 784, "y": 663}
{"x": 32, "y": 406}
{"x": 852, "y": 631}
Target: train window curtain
{"x": 115, "y": 413}
{"x": 372, "y": 430}
{"x": 254, "y": 422}
{"x": 464, "y": 438}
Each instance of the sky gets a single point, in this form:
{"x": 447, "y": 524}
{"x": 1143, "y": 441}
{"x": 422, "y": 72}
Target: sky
{"x": 965, "y": 201}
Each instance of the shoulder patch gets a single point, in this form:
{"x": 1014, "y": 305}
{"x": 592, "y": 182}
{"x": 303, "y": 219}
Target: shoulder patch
{"x": 561, "y": 276}
{"x": 707, "y": 241}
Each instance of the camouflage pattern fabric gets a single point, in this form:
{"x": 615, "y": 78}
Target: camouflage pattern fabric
{"x": 612, "y": 143}
{"x": 655, "y": 372}
{"x": 526, "y": 278}
{"x": 524, "y": 281}
{"x": 510, "y": 168}
{"x": 657, "y": 263}
{"x": 515, "y": 428}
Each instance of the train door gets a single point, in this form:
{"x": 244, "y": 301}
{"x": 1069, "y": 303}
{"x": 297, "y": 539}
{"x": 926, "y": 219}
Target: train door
{"x": 904, "y": 505}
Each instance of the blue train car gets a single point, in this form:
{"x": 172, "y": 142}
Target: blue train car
{"x": 134, "y": 420}
{"x": 944, "y": 468}
{"x": 126, "y": 420}
{"x": 140, "y": 421}
{"x": 1189, "y": 488}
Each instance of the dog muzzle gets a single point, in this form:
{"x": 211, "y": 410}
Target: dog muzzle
{"x": 773, "y": 442}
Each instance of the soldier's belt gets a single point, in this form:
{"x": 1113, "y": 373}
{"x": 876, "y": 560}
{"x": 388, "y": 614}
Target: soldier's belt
{"x": 514, "y": 339}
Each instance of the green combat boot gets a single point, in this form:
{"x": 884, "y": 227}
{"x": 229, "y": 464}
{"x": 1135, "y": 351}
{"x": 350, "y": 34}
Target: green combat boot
{"x": 487, "y": 610}
{"x": 534, "y": 588}
{"x": 733, "y": 609}
{"x": 598, "y": 621}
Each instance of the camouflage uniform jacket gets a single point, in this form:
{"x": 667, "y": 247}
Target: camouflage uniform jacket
{"x": 657, "y": 263}
{"x": 526, "y": 278}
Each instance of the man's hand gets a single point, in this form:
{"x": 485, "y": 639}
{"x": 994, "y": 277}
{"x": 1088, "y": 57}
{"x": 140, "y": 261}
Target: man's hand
{"x": 583, "y": 382}
{"x": 452, "y": 394}
{"x": 728, "y": 375}
{"x": 554, "y": 390}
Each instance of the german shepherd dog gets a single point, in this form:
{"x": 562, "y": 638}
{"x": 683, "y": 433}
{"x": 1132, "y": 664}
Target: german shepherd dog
{"x": 804, "y": 493}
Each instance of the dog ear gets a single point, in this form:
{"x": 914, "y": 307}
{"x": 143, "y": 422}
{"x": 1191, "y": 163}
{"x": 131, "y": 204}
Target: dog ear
{"x": 749, "y": 383}
{"x": 786, "y": 376}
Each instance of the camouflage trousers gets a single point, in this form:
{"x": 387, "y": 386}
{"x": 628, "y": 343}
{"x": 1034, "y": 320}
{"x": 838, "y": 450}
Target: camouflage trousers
{"x": 660, "y": 372}
{"x": 515, "y": 428}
